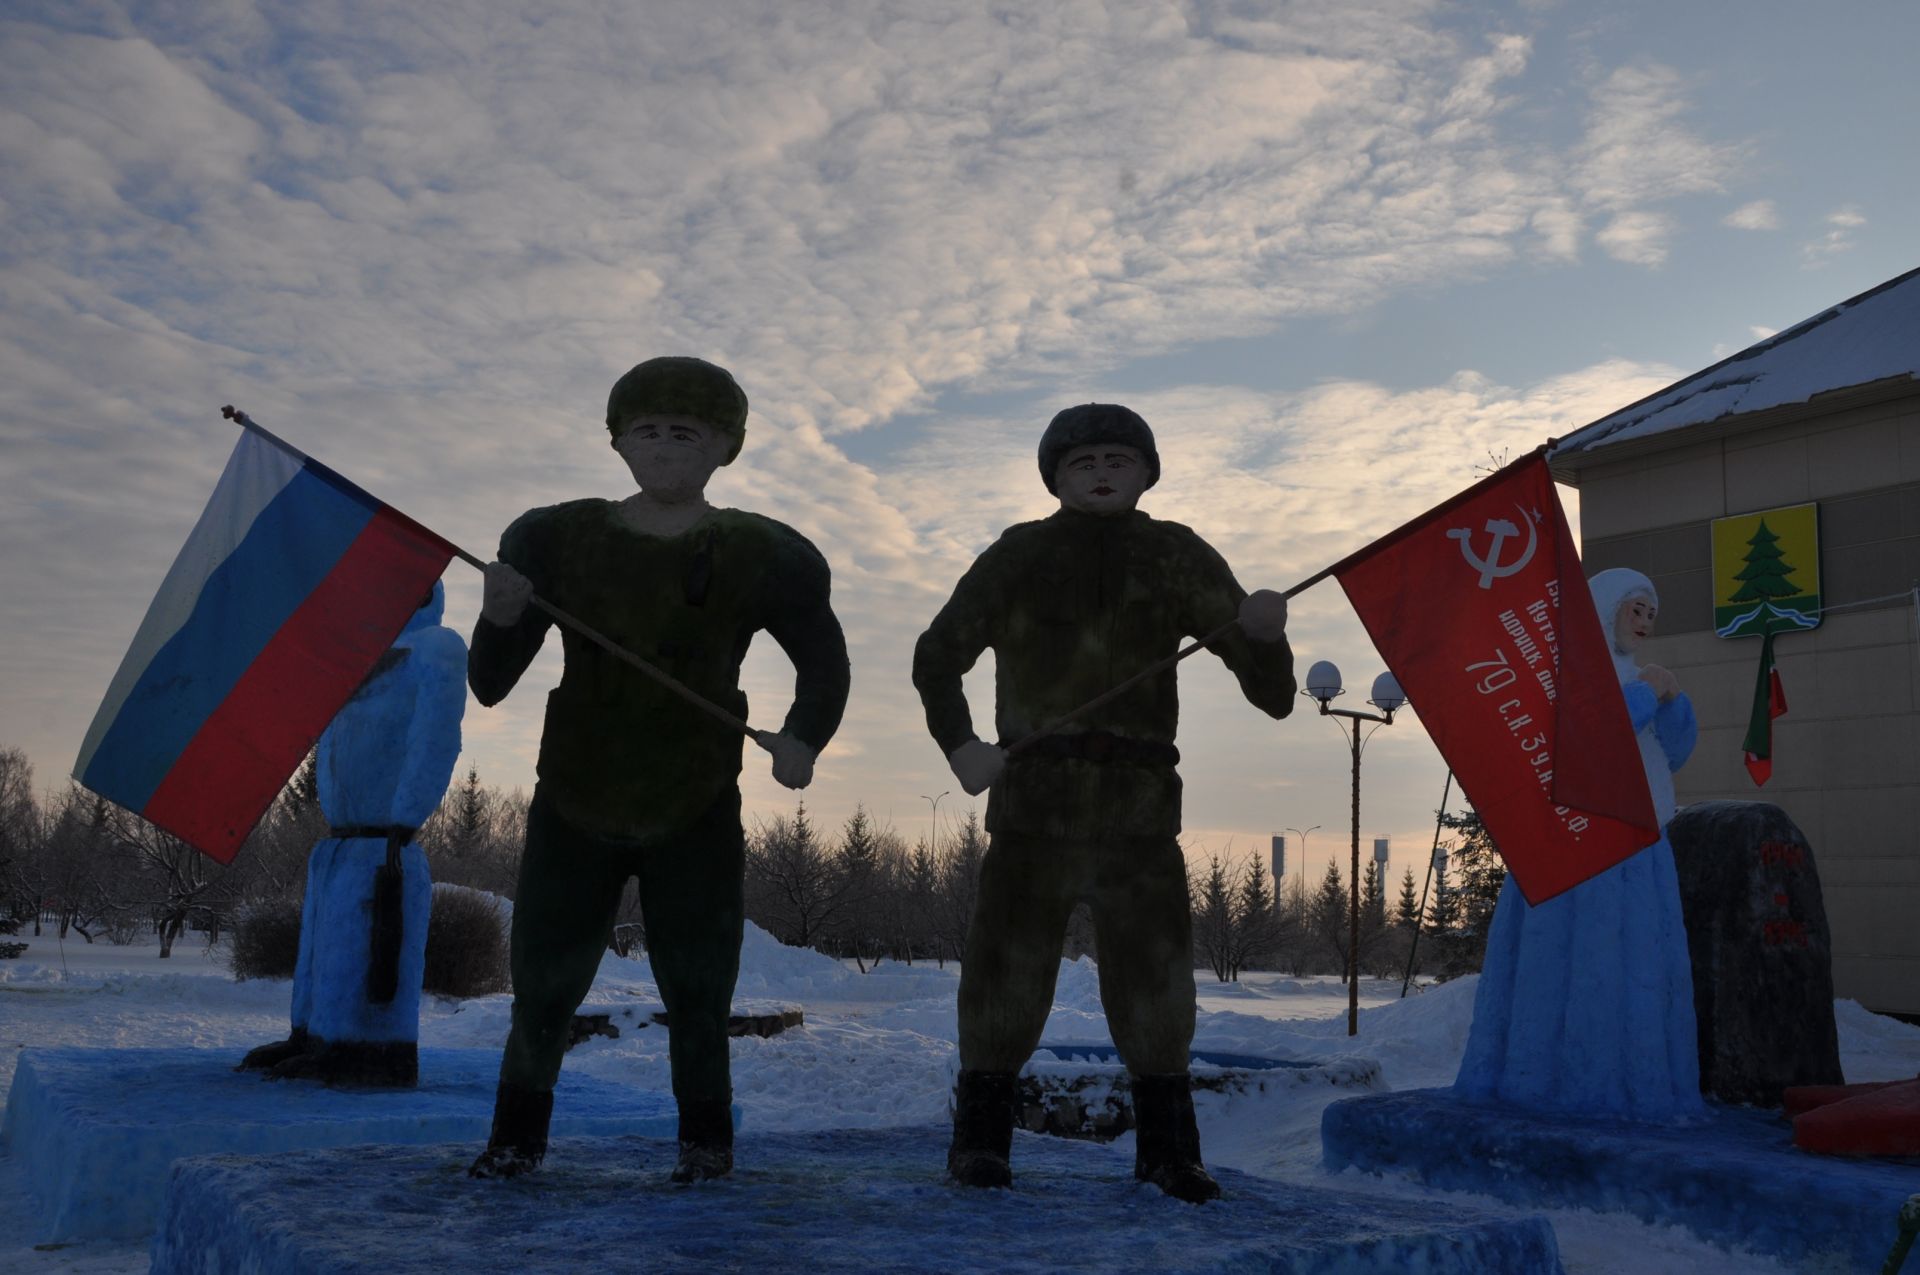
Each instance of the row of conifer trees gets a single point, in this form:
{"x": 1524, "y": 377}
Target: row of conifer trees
{"x": 861, "y": 891}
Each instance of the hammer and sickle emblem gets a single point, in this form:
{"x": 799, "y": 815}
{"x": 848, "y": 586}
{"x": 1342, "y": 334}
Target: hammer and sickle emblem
{"x": 1490, "y": 567}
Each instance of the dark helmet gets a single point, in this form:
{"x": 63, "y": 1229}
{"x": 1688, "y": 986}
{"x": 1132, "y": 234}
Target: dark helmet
{"x": 1092, "y": 423}
{"x": 683, "y": 386}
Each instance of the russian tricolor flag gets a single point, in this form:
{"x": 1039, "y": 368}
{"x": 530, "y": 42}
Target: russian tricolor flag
{"x": 292, "y": 584}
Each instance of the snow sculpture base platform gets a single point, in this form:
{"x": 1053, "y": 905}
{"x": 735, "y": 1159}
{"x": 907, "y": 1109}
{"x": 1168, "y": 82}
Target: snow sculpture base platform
{"x": 853, "y": 1201}
{"x": 1735, "y": 1179}
{"x": 95, "y": 1129}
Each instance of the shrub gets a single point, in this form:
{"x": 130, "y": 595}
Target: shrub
{"x": 266, "y": 940}
{"x": 466, "y": 943}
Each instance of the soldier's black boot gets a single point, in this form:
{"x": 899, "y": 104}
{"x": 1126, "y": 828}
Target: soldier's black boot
{"x": 519, "y": 1139}
{"x": 983, "y": 1109}
{"x": 1167, "y": 1141}
{"x": 706, "y": 1141}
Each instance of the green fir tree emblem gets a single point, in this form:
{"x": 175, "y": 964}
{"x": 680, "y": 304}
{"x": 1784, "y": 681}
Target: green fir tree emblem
{"x": 1770, "y": 592}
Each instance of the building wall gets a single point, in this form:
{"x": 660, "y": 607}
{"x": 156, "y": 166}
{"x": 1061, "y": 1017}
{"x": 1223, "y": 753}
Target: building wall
{"x": 1847, "y": 753}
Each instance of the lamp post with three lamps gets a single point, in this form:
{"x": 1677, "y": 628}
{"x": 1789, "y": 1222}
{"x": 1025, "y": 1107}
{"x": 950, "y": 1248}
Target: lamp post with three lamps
{"x": 1323, "y": 683}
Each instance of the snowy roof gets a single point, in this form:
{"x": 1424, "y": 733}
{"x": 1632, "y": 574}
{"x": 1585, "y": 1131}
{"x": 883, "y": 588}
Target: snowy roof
{"x": 1872, "y": 337}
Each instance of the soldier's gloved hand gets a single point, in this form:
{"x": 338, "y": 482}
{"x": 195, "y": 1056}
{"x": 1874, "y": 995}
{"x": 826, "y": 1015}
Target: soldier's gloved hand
{"x": 504, "y": 595}
{"x": 976, "y": 764}
{"x": 792, "y": 760}
{"x": 1264, "y": 615}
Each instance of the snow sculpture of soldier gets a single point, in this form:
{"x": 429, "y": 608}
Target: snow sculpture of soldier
{"x": 1585, "y": 1003}
{"x": 1071, "y": 605}
{"x": 633, "y": 780}
{"x": 382, "y": 766}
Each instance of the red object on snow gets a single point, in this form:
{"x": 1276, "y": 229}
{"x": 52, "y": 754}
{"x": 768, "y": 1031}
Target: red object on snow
{"x": 1876, "y": 1120}
{"x": 1800, "y": 1099}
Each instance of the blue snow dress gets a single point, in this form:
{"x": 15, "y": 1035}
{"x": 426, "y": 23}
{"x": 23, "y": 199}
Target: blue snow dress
{"x": 1585, "y": 1003}
{"x": 384, "y": 762}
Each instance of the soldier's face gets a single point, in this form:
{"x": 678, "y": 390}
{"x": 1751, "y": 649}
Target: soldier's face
{"x": 1633, "y": 624}
{"x": 671, "y": 456}
{"x": 1104, "y": 478}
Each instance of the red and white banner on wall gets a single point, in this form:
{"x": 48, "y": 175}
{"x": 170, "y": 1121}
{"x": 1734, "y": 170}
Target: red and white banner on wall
{"x": 1480, "y": 609}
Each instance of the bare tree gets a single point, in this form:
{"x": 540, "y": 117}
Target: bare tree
{"x": 162, "y": 876}
{"x": 794, "y": 891}
{"x": 73, "y": 863}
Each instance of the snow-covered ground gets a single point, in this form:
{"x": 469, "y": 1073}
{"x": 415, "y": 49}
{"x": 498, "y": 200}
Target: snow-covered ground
{"x": 875, "y": 1051}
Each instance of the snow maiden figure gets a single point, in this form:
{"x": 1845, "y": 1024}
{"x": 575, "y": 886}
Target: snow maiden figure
{"x": 1585, "y": 1003}
{"x": 381, "y": 766}
{"x": 635, "y": 782}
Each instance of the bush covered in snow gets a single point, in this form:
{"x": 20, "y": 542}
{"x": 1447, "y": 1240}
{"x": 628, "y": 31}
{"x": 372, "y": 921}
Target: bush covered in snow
{"x": 265, "y": 942}
{"x": 466, "y": 942}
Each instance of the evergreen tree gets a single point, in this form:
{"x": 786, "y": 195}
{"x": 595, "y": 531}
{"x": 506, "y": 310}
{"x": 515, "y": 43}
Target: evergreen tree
{"x": 1373, "y": 900}
{"x": 1443, "y": 909}
{"x": 1765, "y": 575}
{"x": 1373, "y": 916}
{"x": 960, "y": 884}
{"x": 1256, "y": 916}
{"x": 859, "y": 867}
{"x": 1329, "y": 917}
{"x": 1406, "y": 913}
{"x": 469, "y": 824}
{"x": 1482, "y": 873}
{"x": 1213, "y": 917}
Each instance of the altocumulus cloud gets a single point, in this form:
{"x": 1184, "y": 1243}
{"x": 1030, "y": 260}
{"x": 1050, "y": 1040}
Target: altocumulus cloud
{"x": 422, "y": 241}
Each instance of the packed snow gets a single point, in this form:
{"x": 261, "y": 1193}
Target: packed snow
{"x": 875, "y": 1051}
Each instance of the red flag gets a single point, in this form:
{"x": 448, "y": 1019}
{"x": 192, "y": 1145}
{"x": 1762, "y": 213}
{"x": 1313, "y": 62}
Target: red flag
{"x": 1769, "y": 702}
{"x": 1480, "y": 609}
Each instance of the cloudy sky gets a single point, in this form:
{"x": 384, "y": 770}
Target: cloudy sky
{"x": 1338, "y": 252}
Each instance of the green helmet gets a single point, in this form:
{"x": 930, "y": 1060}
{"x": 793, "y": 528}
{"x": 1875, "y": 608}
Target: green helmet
{"x": 1092, "y": 423}
{"x": 682, "y": 386}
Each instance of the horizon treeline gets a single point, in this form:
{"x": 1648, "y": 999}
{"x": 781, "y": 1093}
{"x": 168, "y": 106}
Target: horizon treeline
{"x": 76, "y": 863}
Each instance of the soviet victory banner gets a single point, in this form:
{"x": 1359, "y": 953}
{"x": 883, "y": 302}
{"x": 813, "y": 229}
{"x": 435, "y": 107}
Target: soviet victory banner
{"x": 1480, "y": 609}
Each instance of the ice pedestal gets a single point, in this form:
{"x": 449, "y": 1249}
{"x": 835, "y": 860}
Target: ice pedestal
{"x": 94, "y": 1130}
{"x": 1734, "y": 1179}
{"x": 853, "y": 1201}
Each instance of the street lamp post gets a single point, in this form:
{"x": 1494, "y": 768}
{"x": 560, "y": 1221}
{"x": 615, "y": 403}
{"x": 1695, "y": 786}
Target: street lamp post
{"x": 1303, "y": 842}
{"x": 934, "y": 844}
{"x": 1323, "y": 683}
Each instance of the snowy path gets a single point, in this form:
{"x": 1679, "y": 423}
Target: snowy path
{"x": 874, "y": 1052}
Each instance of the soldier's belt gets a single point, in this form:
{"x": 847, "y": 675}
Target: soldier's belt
{"x": 1103, "y": 746}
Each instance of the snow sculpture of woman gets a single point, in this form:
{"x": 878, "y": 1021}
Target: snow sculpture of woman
{"x": 1585, "y": 1002}
{"x": 383, "y": 764}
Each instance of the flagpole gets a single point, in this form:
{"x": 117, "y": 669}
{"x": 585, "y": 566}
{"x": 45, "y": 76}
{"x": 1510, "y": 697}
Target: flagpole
{"x": 666, "y": 680}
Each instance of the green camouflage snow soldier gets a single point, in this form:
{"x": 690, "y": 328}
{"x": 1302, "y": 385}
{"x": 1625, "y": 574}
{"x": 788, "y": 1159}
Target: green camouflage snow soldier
{"x": 1071, "y": 606}
{"x": 633, "y": 780}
